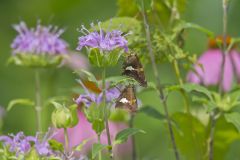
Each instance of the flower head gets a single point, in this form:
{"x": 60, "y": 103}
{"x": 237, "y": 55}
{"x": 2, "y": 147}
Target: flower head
{"x": 19, "y": 143}
{"x": 39, "y": 40}
{"x": 88, "y": 98}
{"x": 209, "y": 71}
{"x": 103, "y": 40}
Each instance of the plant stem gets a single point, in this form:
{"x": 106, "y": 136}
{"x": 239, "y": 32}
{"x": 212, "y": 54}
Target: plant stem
{"x": 160, "y": 88}
{"x": 38, "y": 107}
{"x": 66, "y": 139}
{"x": 100, "y": 153}
{"x": 187, "y": 107}
{"x": 131, "y": 124}
{"x": 106, "y": 113}
{"x": 212, "y": 129}
{"x": 180, "y": 81}
{"x": 220, "y": 89}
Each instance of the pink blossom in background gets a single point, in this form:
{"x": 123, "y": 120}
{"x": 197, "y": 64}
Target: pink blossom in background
{"x": 210, "y": 72}
{"x": 84, "y": 131}
{"x": 76, "y": 61}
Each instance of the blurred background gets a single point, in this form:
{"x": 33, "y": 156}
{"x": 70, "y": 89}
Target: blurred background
{"x": 18, "y": 82}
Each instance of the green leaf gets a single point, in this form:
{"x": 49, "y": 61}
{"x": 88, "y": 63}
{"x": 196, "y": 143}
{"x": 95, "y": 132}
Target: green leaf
{"x": 97, "y": 147}
{"x": 233, "y": 118}
{"x": 98, "y": 125}
{"x": 57, "y": 105}
{"x": 123, "y": 135}
{"x": 152, "y": 112}
{"x": 127, "y": 24}
{"x": 186, "y": 25}
{"x": 95, "y": 115}
{"x": 55, "y": 145}
{"x": 127, "y": 8}
{"x": 32, "y": 155}
{"x": 74, "y": 113}
{"x": 119, "y": 115}
{"x": 90, "y": 77}
{"x": 81, "y": 145}
{"x": 189, "y": 87}
{"x": 24, "y": 102}
{"x": 116, "y": 80}
{"x": 192, "y": 138}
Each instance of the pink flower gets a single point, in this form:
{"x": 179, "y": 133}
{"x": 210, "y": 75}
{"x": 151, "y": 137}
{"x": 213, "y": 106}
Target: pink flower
{"x": 84, "y": 131}
{"x": 210, "y": 72}
{"x": 76, "y": 61}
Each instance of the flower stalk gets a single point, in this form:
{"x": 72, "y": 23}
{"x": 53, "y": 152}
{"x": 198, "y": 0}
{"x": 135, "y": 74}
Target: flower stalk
{"x": 106, "y": 112}
{"x": 38, "y": 107}
{"x": 66, "y": 139}
{"x": 100, "y": 153}
{"x": 220, "y": 89}
{"x": 159, "y": 85}
{"x": 131, "y": 125}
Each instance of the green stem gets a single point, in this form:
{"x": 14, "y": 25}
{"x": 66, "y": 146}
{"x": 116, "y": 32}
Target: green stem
{"x": 213, "y": 118}
{"x": 162, "y": 96}
{"x": 131, "y": 125}
{"x": 100, "y": 153}
{"x": 180, "y": 81}
{"x": 66, "y": 139}
{"x": 187, "y": 107}
{"x": 38, "y": 107}
{"x": 106, "y": 112}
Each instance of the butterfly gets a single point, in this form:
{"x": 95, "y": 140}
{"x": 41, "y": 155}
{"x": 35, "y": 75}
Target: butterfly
{"x": 132, "y": 67}
{"x": 127, "y": 99}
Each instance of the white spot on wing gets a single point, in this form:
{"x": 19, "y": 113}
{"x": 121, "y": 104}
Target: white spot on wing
{"x": 129, "y": 68}
{"x": 124, "y": 100}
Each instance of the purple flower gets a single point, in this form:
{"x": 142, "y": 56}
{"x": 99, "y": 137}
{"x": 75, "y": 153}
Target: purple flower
{"x": 210, "y": 72}
{"x": 19, "y": 143}
{"x": 39, "y": 40}
{"x": 103, "y": 40}
{"x": 88, "y": 98}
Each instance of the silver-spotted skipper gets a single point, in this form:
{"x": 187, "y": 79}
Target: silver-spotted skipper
{"x": 127, "y": 99}
{"x": 132, "y": 67}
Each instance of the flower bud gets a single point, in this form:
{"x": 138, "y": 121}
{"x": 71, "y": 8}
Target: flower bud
{"x": 63, "y": 117}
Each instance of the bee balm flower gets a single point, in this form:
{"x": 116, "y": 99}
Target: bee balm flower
{"x": 39, "y": 40}
{"x": 103, "y": 40}
{"x": 211, "y": 60}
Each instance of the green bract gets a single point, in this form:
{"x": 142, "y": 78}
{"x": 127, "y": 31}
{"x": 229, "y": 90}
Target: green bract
{"x": 36, "y": 61}
{"x": 99, "y": 59}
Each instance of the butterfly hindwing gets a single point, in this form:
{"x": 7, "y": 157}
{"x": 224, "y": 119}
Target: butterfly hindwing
{"x": 127, "y": 99}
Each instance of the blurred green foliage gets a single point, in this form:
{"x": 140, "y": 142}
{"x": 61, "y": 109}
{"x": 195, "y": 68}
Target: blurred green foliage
{"x": 18, "y": 82}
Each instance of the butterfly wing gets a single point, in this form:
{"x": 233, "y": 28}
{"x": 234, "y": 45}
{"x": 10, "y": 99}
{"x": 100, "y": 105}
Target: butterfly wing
{"x": 127, "y": 99}
{"x": 133, "y": 68}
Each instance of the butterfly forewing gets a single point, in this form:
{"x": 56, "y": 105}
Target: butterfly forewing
{"x": 132, "y": 67}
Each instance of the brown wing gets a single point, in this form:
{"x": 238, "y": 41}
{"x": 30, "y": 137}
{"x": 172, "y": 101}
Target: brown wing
{"x": 132, "y": 67}
{"x": 127, "y": 99}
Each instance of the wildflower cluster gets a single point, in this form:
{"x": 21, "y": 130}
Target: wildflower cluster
{"x": 39, "y": 40}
